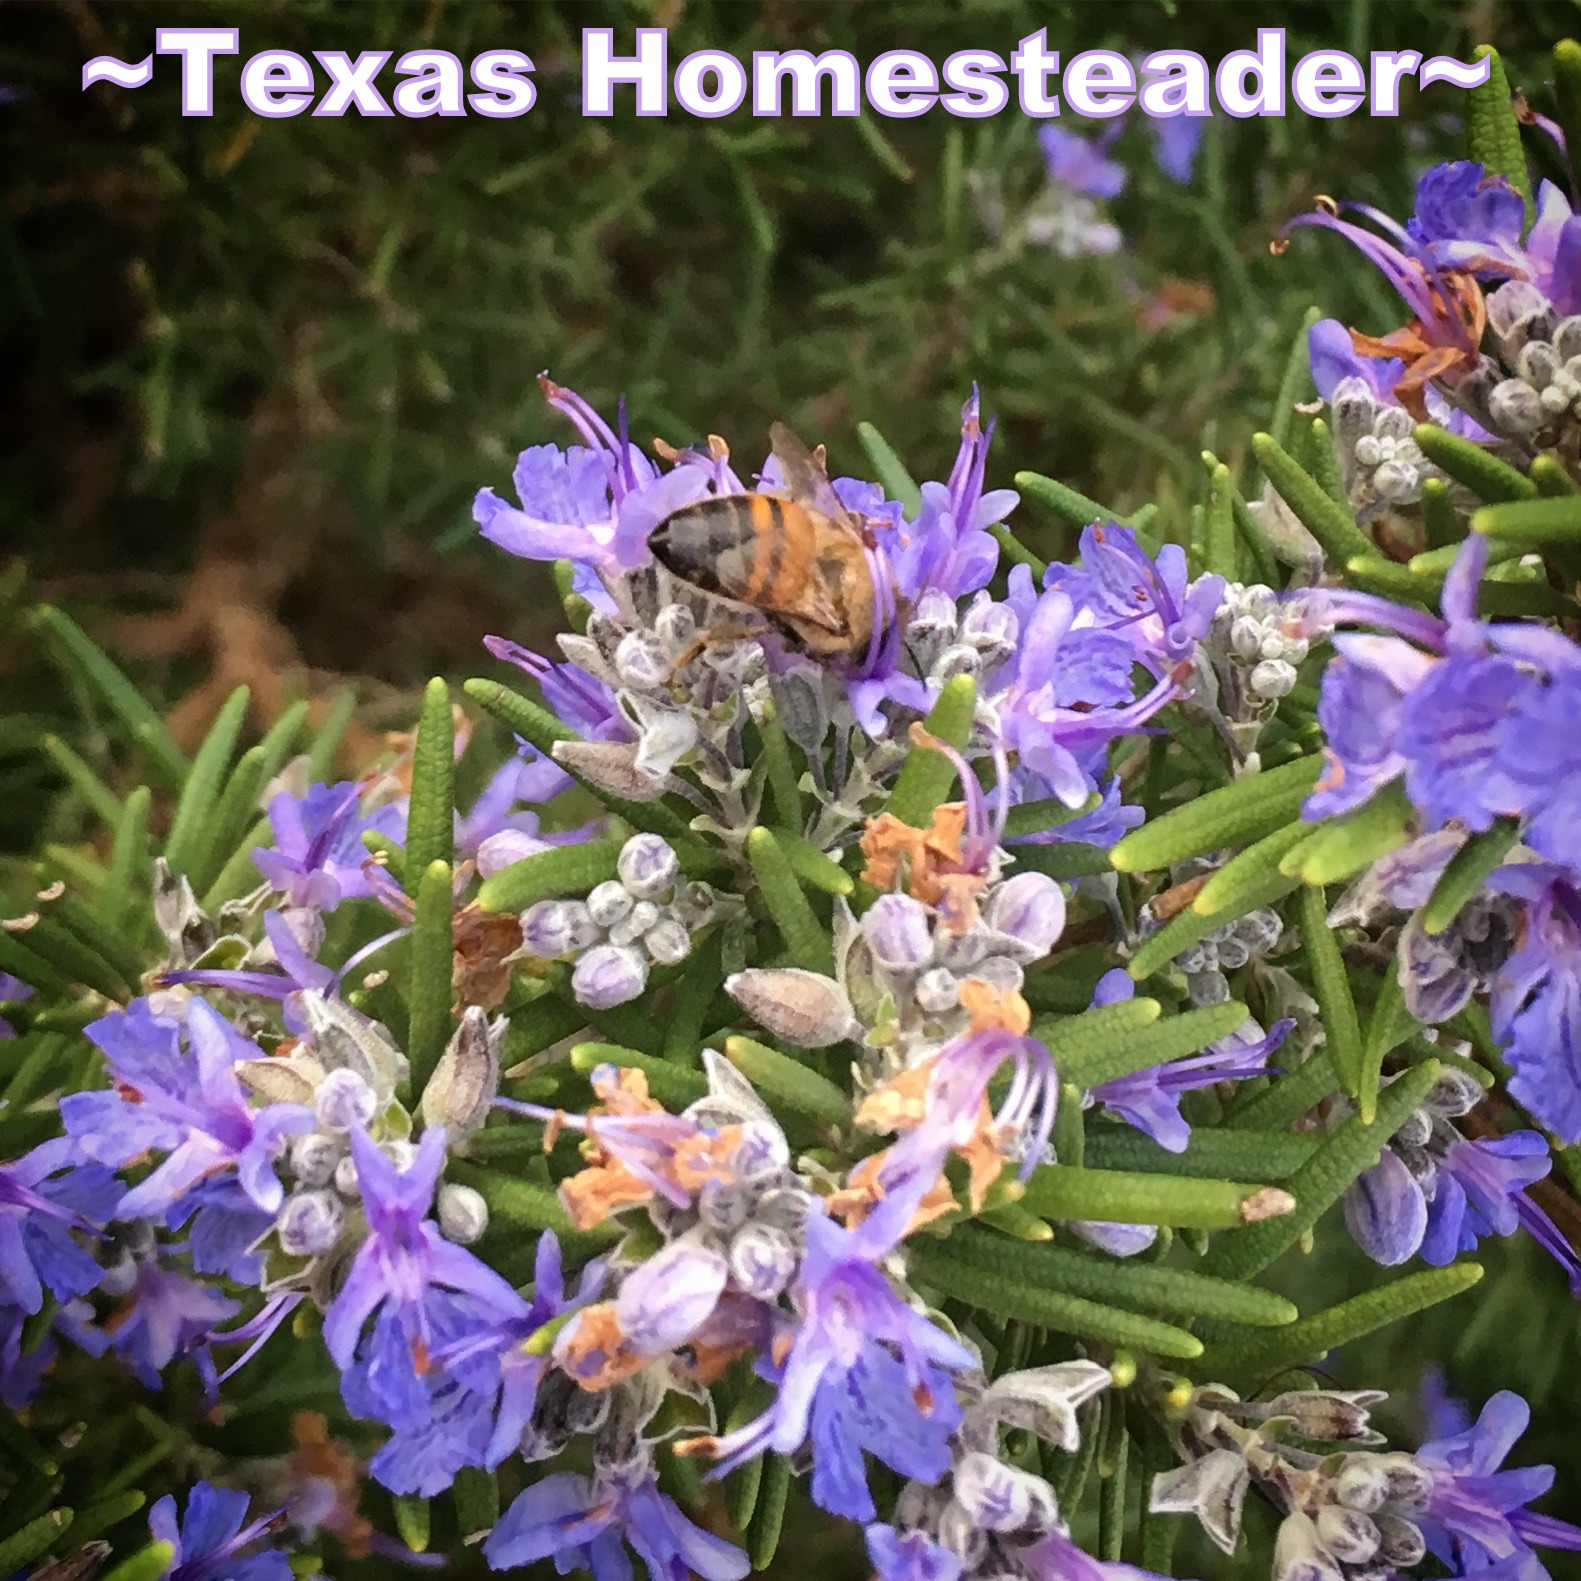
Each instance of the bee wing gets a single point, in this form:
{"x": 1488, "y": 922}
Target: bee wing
{"x": 806, "y": 480}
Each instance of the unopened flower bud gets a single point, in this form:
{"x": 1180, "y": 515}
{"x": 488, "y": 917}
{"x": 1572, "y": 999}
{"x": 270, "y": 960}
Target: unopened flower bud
{"x": 309, "y": 1223}
{"x": 635, "y": 923}
{"x": 313, "y": 1157}
{"x": 1538, "y": 362}
{"x": 666, "y": 1299}
{"x": 1299, "y": 1554}
{"x": 553, "y": 928}
{"x": 1028, "y": 909}
{"x": 1400, "y": 1541}
{"x": 609, "y": 902}
{"x": 937, "y": 991}
{"x": 1516, "y": 407}
{"x": 1246, "y": 637}
{"x": 990, "y": 628}
{"x": 647, "y": 866}
{"x": 667, "y": 942}
{"x": 641, "y": 661}
{"x": 805, "y": 1008}
{"x": 401, "y": 1153}
{"x": 1000, "y": 972}
{"x": 676, "y": 627}
{"x": 961, "y": 1535}
{"x": 762, "y": 1261}
{"x": 1415, "y": 1132}
{"x": 1347, "y": 1534}
{"x": 463, "y": 1214}
{"x": 1272, "y": 678}
{"x": 466, "y": 1080}
{"x": 609, "y": 975}
{"x": 1002, "y": 1498}
{"x": 1453, "y": 1094}
{"x": 344, "y": 1100}
{"x": 957, "y": 659}
{"x": 1361, "y": 1483}
{"x": 960, "y": 952}
{"x": 1517, "y": 312}
{"x": 935, "y": 614}
{"x": 897, "y": 932}
{"x": 784, "y": 1208}
{"x": 1397, "y": 481}
{"x": 346, "y": 1181}
{"x": 1410, "y": 1485}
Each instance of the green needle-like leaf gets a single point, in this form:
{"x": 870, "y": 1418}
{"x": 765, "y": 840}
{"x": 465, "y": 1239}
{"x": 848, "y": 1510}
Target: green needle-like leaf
{"x": 1253, "y": 806}
{"x": 1390, "y": 1025}
{"x": 890, "y": 470}
{"x": 147, "y": 1564}
{"x": 1346, "y": 845}
{"x": 1319, "y": 1184}
{"x": 1493, "y": 135}
{"x": 783, "y": 789}
{"x": 1219, "y": 523}
{"x": 1324, "y": 517}
{"x": 805, "y": 937}
{"x": 927, "y": 775}
{"x": 1212, "y": 1152}
{"x": 1119, "y": 1282}
{"x": 1295, "y": 380}
{"x": 25, "y": 1545}
{"x": 1072, "y": 507}
{"x": 86, "y": 662}
{"x": 412, "y": 1521}
{"x": 131, "y": 862}
{"x": 562, "y": 870}
{"x": 1331, "y": 985}
{"x": 1313, "y": 1337}
{"x": 936, "y": 1265}
{"x": 431, "y": 820}
{"x": 768, "y": 1515}
{"x": 778, "y": 1075}
{"x": 186, "y": 848}
{"x": 1035, "y": 817}
{"x": 814, "y": 867}
{"x": 1532, "y": 523}
{"x": 1090, "y": 1036}
{"x": 1056, "y": 1191}
{"x": 1250, "y": 872}
{"x": 476, "y": 1496}
{"x": 429, "y": 993}
{"x": 1480, "y": 470}
{"x": 104, "y": 803}
{"x": 1016, "y": 552}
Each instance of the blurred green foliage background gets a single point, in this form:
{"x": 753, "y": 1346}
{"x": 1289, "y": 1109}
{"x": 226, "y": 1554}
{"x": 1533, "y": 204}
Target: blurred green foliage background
{"x": 254, "y": 371}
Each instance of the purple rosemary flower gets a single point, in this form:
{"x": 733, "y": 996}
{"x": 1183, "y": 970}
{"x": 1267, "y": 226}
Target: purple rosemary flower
{"x": 860, "y": 1370}
{"x": 1451, "y": 1194}
{"x": 594, "y": 503}
{"x": 14, "y": 990}
{"x": 1545, "y": 1232}
{"x": 1477, "y": 1518}
{"x": 1541, "y": 754}
{"x": 166, "y": 1316}
{"x": 1467, "y": 219}
{"x": 948, "y": 548}
{"x": 1056, "y": 737}
{"x": 1176, "y": 139}
{"x": 909, "y": 1556}
{"x": 1150, "y": 1099}
{"x": 179, "y": 1096}
{"x": 582, "y": 1523}
{"x": 1080, "y": 163}
{"x": 48, "y": 1199}
{"x": 488, "y": 1380}
{"x": 1118, "y": 586}
{"x": 318, "y": 853}
{"x": 210, "y": 1537}
{"x": 1536, "y": 999}
{"x": 395, "y": 1279}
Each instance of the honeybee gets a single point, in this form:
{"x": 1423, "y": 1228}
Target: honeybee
{"x": 799, "y": 558}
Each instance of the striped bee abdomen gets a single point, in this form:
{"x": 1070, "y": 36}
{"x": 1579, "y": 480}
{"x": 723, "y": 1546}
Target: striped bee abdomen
{"x": 736, "y": 546}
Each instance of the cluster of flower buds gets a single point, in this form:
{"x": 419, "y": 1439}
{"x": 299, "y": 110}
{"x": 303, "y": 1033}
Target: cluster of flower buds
{"x": 1257, "y": 642}
{"x": 1542, "y": 354}
{"x": 1381, "y": 464}
{"x": 643, "y": 917}
{"x": 944, "y": 641}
